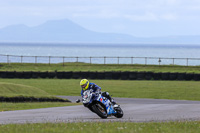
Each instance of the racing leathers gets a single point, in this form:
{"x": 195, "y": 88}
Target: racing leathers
{"x": 96, "y": 89}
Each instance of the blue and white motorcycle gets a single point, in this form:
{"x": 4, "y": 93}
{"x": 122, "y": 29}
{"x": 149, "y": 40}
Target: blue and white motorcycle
{"x": 101, "y": 105}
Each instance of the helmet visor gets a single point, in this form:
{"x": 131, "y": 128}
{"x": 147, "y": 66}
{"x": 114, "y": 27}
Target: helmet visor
{"x": 83, "y": 86}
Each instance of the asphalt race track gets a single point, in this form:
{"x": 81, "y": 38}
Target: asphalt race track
{"x": 135, "y": 110}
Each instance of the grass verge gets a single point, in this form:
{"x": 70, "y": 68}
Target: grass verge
{"x": 11, "y": 92}
{"x": 105, "y": 127}
{"x": 11, "y": 89}
{"x": 97, "y": 67}
{"x": 5, "y": 106}
{"x": 20, "y": 93}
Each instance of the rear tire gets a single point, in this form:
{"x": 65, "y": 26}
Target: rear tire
{"x": 100, "y": 110}
{"x": 119, "y": 113}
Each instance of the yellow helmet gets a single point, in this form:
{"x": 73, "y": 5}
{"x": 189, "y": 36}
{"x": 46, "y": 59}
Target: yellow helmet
{"x": 84, "y": 84}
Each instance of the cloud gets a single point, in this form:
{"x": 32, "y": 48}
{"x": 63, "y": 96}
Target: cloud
{"x": 169, "y": 17}
{"x": 150, "y": 16}
{"x": 101, "y": 15}
{"x": 145, "y": 17}
{"x": 133, "y": 9}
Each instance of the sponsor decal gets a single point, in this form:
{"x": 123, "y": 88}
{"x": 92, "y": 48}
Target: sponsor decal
{"x": 101, "y": 99}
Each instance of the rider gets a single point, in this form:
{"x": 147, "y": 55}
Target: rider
{"x": 86, "y": 85}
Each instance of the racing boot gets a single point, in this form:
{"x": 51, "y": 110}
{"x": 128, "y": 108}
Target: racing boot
{"x": 106, "y": 94}
{"x": 115, "y": 105}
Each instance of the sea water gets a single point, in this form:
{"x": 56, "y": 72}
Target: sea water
{"x": 100, "y": 53}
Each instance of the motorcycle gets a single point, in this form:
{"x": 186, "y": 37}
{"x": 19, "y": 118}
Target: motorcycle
{"x": 100, "y": 105}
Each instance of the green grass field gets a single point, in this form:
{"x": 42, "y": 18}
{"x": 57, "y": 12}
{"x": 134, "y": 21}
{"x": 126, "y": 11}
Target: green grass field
{"x": 11, "y": 89}
{"x": 179, "y": 90}
{"x": 104, "y": 127}
{"x": 8, "y": 89}
{"x": 9, "y": 106}
{"x": 96, "y": 67}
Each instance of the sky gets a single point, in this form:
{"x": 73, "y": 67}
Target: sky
{"x": 139, "y": 18}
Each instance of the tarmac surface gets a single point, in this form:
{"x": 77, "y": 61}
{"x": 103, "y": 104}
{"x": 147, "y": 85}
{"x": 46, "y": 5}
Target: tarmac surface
{"x": 135, "y": 110}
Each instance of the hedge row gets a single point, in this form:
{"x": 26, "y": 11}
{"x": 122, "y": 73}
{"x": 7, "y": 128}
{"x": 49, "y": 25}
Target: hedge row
{"x": 31, "y": 99}
{"x": 103, "y": 75}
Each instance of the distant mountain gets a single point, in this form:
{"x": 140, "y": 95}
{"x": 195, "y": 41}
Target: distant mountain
{"x": 68, "y": 31}
{"x": 59, "y": 31}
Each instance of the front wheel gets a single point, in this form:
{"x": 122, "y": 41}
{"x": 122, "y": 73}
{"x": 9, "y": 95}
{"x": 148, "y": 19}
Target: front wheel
{"x": 99, "y": 110}
{"x": 119, "y": 113}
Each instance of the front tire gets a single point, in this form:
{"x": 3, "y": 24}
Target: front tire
{"x": 119, "y": 113}
{"x": 100, "y": 110}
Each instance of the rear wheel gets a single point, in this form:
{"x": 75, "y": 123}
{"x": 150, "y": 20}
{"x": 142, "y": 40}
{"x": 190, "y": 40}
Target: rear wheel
{"x": 119, "y": 113}
{"x": 100, "y": 110}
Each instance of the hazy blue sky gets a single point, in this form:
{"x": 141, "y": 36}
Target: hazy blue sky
{"x": 142, "y": 18}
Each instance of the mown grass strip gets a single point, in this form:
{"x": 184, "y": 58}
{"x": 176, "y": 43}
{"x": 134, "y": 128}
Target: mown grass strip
{"x": 105, "y": 127}
{"x": 11, "y": 92}
{"x": 5, "y": 106}
{"x": 12, "y": 89}
{"x": 97, "y": 67}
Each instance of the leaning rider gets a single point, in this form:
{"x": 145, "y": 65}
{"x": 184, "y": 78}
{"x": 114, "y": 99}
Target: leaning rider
{"x": 86, "y": 85}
